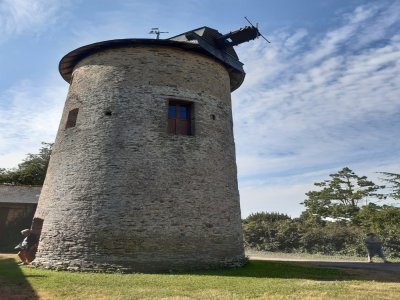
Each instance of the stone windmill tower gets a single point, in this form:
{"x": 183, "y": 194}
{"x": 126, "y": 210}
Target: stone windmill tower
{"x": 143, "y": 174}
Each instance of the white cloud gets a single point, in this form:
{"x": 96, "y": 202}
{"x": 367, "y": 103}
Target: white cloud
{"x": 133, "y": 19}
{"x": 318, "y": 105}
{"x": 20, "y": 16}
{"x": 30, "y": 115}
{"x": 384, "y": 19}
{"x": 286, "y": 193}
{"x": 276, "y": 198}
{"x": 309, "y": 105}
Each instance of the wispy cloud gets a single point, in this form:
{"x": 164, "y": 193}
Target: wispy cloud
{"x": 273, "y": 198}
{"x": 127, "y": 19}
{"x": 310, "y": 105}
{"x": 21, "y": 16}
{"x": 30, "y": 115}
{"x": 317, "y": 104}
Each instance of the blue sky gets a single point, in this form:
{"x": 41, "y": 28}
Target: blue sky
{"x": 323, "y": 95}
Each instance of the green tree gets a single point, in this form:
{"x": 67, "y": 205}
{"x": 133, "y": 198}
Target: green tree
{"x": 383, "y": 221}
{"x": 333, "y": 238}
{"x": 32, "y": 171}
{"x": 380, "y": 218}
{"x": 394, "y": 180}
{"x": 271, "y": 232}
{"x": 266, "y": 217}
{"x": 341, "y": 196}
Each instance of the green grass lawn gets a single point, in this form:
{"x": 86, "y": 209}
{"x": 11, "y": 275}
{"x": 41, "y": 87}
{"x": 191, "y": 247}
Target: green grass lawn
{"x": 258, "y": 279}
{"x": 307, "y": 256}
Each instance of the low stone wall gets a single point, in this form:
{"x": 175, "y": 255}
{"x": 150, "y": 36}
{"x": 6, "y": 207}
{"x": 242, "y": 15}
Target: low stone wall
{"x": 14, "y": 218}
{"x": 19, "y": 194}
{"x": 17, "y": 207}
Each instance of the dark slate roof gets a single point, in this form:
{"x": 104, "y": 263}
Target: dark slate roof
{"x": 19, "y": 194}
{"x": 209, "y": 35}
{"x": 201, "y": 40}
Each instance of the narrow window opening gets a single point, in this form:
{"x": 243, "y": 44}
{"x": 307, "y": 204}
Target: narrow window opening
{"x": 180, "y": 117}
{"x": 108, "y": 113}
{"x": 72, "y": 117}
{"x": 212, "y": 117}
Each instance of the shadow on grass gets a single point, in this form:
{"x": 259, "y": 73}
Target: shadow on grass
{"x": 13, "y": 283}
{"x": 380, "y": 272}
{"x": 321, "y": 271}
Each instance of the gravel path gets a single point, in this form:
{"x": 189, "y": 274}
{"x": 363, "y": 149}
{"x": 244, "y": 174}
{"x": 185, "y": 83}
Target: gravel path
{"x": 361, "y": 270}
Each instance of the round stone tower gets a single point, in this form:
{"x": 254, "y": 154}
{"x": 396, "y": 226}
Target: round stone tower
{"x": 142, "y": 175}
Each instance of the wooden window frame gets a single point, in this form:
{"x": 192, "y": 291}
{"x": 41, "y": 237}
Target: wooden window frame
{"x": 178, "y": 125}
{"x": 72, "y": 118}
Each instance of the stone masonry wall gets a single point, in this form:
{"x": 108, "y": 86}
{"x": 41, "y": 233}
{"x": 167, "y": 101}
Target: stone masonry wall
{"x": 123, "y": 194}
{"x": 19, "y": 193}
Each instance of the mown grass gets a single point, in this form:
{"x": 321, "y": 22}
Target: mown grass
{"x": 307, "y": 256}
{"x": 258, "y": 279}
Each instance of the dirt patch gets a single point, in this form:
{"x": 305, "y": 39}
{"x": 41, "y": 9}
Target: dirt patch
{"x": 13, "y": 283}
{"x": 20, "y": 291}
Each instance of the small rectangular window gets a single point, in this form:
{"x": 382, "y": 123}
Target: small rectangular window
{"x": 72, "y": 117}
{"x": 171, "y": 111}
{"x": 183, "y": 112}
{"x": 180, "y": 117}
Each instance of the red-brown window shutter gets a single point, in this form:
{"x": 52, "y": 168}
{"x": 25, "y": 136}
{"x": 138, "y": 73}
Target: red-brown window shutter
{"x": 72, "y": 117}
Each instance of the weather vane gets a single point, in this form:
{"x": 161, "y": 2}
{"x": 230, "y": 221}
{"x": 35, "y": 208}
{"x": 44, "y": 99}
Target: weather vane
{"x": 157, "y": 32}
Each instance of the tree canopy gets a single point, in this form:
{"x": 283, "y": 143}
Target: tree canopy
{"x": 341, "y": 196}
{"x": 32, "y": 171}
{"x": 394, "y": 181}
{"x": 279, "y": 233}
{"x": 338, "y": 215}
